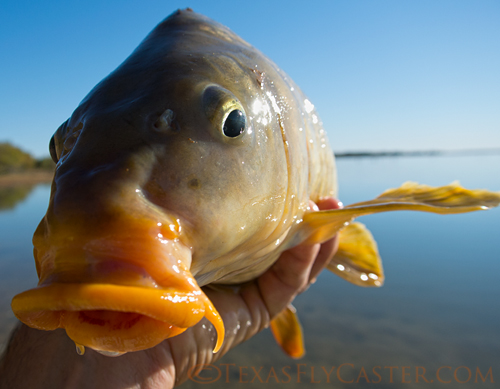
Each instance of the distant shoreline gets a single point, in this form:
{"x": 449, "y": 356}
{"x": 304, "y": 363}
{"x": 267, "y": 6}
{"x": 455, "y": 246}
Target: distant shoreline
{"x": 28, "y": 177}
{"x": 424, "y": 153}
{"x": 40, "y": 176}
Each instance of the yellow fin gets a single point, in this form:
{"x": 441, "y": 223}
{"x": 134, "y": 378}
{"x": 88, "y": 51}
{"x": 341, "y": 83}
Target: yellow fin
{"x": 357, "y": 259}
{"x": 411, "y": 196}
{"x": 451, "y": 198}
{"x": 287, "y": 331}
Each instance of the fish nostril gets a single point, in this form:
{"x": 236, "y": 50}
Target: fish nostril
{"x": 166, "y": 122}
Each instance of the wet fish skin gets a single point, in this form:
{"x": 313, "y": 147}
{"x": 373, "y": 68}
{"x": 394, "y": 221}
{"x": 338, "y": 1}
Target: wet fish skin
{"x": 193, "y": 172}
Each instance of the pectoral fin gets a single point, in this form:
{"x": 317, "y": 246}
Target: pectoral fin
{"x": 357, "y": 259}
{"x": 287, "y": 331}
{"x": 411, "y": 196}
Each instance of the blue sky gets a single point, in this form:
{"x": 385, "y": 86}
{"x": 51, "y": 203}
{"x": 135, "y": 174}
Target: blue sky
{"x": 384, "y": 75}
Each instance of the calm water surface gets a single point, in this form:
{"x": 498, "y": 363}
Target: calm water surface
{"x": 438, "y": 311}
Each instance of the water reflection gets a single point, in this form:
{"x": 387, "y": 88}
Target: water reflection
{"x": 23, "y": 206}
{"x": 10, "y": 196}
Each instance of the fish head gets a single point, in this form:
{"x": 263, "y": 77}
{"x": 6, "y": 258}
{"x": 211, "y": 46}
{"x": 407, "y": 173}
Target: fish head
{"x": 170, "y": 164}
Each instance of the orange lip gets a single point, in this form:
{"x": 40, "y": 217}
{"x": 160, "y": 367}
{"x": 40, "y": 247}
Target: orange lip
{"x": 116, "y": 294}
{"x": 113, "y": 317}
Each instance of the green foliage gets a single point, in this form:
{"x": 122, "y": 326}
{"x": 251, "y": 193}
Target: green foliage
{"x": 13, "y": 159}
{"x": 45, "y": 163}
{"x": 10, "y": 196}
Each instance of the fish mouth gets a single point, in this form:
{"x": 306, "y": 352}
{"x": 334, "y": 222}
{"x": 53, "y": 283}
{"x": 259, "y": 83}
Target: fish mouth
{"x": 114, "y": 318}
{"x": 105, "y": 297}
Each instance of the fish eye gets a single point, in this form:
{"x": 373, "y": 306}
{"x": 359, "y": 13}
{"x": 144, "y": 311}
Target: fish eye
{"x": 235, "y": 124}
{"x": 55, "y": 145}
{"x": 224, "y": 111}
{"x": 52, "y": 149}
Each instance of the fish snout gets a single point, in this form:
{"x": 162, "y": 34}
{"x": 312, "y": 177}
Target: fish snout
{"x": 123, "y": 289}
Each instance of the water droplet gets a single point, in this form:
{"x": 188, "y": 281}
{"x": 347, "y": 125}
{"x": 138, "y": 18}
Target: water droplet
{"x": 80, "y": 349}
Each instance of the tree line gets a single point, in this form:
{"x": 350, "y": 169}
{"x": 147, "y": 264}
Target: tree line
{"x": 13, "y": 159}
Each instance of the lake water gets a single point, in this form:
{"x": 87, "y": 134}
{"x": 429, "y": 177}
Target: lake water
{"x": 435, "y": 323}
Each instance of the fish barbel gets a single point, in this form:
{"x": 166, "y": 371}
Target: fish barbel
{"x": 193, "y": 163}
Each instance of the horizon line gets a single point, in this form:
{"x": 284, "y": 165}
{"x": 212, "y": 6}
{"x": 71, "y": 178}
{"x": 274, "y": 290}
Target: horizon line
{"x": 417, "y": 153}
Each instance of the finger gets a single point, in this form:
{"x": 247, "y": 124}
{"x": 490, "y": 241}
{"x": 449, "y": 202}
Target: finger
{"x": 294, "y": 265}
{"x": 287, "y": 277}
{"x": 297, "y": 267}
